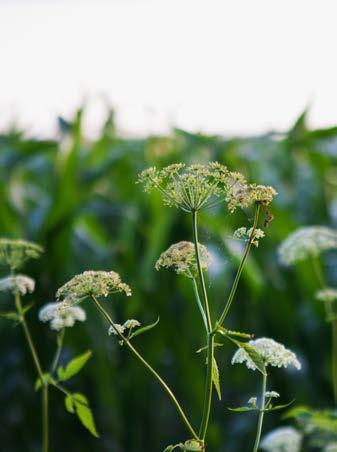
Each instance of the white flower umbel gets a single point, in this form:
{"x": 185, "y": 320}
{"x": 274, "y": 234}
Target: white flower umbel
{"x": 60, "y": 317}
{"x": 273, "y": 354}
{"x": 181, "y": 258}
{"x": 283, "y": 439}
{"x": 21, "y": 283}
{"x": 332, "y": 447}
{"x": 128, "y": 325}
{"x": 251, "y": 234}
{"x": 307, "y": 242}
{"x": 272, "y": 394}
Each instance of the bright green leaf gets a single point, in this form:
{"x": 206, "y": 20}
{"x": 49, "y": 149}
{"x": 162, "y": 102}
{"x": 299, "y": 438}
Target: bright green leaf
{"x": 79, "y": 403}
{"x": 279, "y": 407}
{"x": 73, "y": 367}
{"x": 46, "y": 379}
{"x": 242, "y": 409}
{"x": 216, "y": 378}
{"x": 142, "y": 330}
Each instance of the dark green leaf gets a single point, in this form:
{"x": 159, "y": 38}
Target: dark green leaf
{"x": 73, "y": 367}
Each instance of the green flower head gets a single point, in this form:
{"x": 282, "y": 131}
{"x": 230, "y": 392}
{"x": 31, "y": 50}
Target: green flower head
{"x": 197, "y": 187}
{"x": 14, "y": 253}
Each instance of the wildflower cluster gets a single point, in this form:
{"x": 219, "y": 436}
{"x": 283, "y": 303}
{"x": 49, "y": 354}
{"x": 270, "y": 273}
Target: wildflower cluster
{"x": 14, "y": 253}
{"x": 283, "y": 439}
{"x": 61, "y": 318}
{"x": 329, "y": 297}
{"x": 273, "y": 354}
{"x": 249, "y": 234}
{"x": 198, "y": 186}
{"x": 19, "y": 283}
{"x": 307, "y": 242}
{"x": 91, "y": 283}
{"x": 181, "y": 257}
{"x": 128, "y": 325}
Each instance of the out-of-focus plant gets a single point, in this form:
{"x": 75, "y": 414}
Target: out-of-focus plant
{"x": 13, "y": 255}
{"x": 308, "y": 243}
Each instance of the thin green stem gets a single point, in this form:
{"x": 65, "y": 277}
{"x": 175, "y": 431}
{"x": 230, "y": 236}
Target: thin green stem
{"x": 28, "y": 336}
{"x": 319, "y": 271}
{"x": 210, "y": 336}
{"x": 201, "y": 309}
{"x": 334, "y": 357}
{"x": 60, "y": 339}
{"x": 149, "y": 368}
{"x": 36, "y": 360}
{"x": 261, "y": 413}
{"x": 208, "y": 387}
{"x": 239, "y": 271}
{"x": 200, "y": 272}
{"x": 45, "y": 418}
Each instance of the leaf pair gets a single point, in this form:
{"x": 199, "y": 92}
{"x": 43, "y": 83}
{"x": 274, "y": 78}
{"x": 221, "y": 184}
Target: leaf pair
{"x": 78, "y": 404}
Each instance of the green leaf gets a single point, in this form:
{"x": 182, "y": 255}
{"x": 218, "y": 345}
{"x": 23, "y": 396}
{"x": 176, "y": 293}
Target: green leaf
{"x": 216, "y": 378}
{"x": 168, "y": 448}
{"x": 279, "y": 407}
{"x": 79, "y": 403}
{"x": 46, "y": 379}
{"x": 225, "y": 332}
{"x": 216, "y": 344}
{"x": 142, "y": 330}
{"x": 242, "y": 409}
{"x": 11, "y": 315}
{"x": 73, "y": 367}
{"x": 26, "y": 308}
{"x": 252, "y": 353}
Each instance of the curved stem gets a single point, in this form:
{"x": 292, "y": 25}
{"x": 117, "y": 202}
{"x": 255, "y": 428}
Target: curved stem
{"x": 149, "y": 368}
{"x": 201, "y": 309}
{"x": 60, "y": 339}
{"x": 261, "y": 413}
{"x": 239, "y": 271}
{"x": 45, "y": 418}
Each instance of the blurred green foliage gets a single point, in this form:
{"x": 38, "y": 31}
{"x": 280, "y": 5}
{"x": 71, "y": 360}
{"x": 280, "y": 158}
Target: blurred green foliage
{"x": 78, "y": 199}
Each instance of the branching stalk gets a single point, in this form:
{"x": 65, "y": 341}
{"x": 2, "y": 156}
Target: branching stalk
{"x": 239, "y": 271}
{"x": 149, "y": 368}
{"x": 60, "y": 339}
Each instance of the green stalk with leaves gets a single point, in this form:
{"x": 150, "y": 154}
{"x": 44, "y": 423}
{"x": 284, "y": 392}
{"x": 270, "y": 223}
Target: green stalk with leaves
{"x": 13, "y": 254}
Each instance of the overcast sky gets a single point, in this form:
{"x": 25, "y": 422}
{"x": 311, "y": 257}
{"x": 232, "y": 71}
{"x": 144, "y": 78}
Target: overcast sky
{"x": 237, "y": 66}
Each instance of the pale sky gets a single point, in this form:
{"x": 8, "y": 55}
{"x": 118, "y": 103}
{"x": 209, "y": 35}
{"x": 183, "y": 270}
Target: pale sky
{"x": 236, "y": 66}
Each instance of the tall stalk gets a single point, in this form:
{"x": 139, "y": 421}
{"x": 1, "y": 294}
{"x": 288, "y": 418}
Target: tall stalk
{"x": 36, "y": 360}
{"x": 166, "y": 388}
{"x": 261, "y": 413}
{"x": 210, "y": 335}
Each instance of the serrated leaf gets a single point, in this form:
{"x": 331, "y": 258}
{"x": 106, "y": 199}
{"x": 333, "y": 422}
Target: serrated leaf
{"x": 242, "y": 409}
{"x": 78, "y": 403}
{"x": 142, "y": 330}
{"x": 73, "y": 367}
{"x": 216, "y": 378}
{"x": 279, "y": 407}
{"x": 253, "y": 355}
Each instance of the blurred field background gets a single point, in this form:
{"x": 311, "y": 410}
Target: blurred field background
{"x": 78, "y": 198}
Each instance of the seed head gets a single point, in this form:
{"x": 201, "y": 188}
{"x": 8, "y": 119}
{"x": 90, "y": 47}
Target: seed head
{"x": 181, "y": 258}
{"x": 59, "y": 317}
{"x": 273, "y": 354}
{"x": 306, "y": 242}
{"x": 91, "y": 283}
{"x": 18, "y": 283}
{"x": 14, "y": 253}
{"x": 198, "y": 186}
